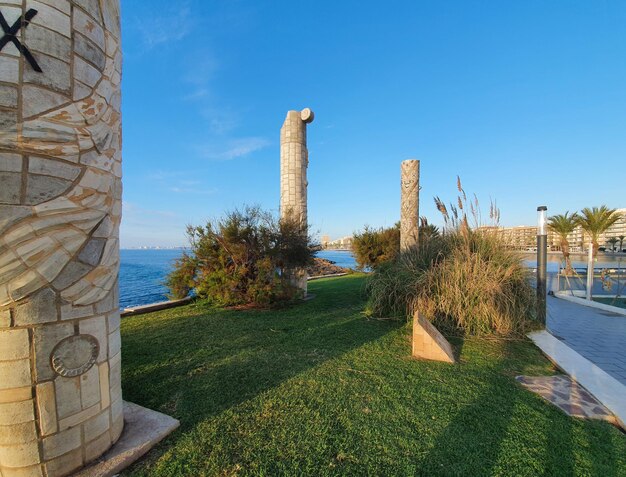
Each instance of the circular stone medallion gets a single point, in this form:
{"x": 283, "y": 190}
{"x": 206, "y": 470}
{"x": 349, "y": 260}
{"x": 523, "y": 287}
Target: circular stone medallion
{"x": 75, "y": 355}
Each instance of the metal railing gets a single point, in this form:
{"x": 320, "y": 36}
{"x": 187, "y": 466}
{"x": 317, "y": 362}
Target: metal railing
{"x": 606, "y": 281}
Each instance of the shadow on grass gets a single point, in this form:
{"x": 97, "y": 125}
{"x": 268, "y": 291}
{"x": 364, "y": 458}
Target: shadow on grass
{"x": 494, "y": 426}
{"x": 453, "y": 449}
{"x": 560, "y": 459}
{"x": 470, "y": 434}
{"x": 195, "y": 362}
{"x": 608, "y": 467}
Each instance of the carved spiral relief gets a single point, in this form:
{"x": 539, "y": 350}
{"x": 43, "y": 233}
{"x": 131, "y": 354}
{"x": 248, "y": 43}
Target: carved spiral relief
{"x": 62, "y": 161}
{"x": 409, "y": 207}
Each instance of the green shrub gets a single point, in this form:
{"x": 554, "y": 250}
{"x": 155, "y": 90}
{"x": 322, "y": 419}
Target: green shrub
{"x": 181, "y": 280}
{"x": 372, "y": 247}
{"x": 465, "y": 280}
{"x": 241, "y": 259}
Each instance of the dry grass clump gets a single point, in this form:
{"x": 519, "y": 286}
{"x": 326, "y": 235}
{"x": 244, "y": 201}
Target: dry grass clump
{"x": 465, "y": 280}
{"x": 479, "y": 287}
{"x": 395, "y": 284}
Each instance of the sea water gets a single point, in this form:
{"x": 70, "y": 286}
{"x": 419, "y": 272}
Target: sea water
{"x": 143, "y": 272}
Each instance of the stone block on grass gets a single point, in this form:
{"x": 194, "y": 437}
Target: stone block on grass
{"x": 428, "y": 342}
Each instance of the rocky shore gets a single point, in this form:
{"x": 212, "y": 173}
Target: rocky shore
{"x": 321, "y": 267}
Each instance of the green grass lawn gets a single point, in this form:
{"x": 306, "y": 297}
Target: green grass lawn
{"x": 619, "y": 302}
{"x": 317, "y": 389}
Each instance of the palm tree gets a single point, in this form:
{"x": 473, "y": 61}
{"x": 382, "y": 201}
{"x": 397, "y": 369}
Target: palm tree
{"x": 596, "y": 221}
{"x": 621, "y": 242}
{"x": 612, "y": 241}
{"x": 563, "y": 225}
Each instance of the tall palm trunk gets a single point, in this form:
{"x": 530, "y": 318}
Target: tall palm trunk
{"x": 566, "y": 255}
{"x": 596, "y": 247}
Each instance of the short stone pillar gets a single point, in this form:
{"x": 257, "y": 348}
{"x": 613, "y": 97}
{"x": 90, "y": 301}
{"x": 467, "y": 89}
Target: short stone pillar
{"x": 294, "y": 160}
{"x": 60, "y": 207}
{"x": 409, "y": 203}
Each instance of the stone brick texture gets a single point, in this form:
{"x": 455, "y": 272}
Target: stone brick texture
{"x": 294, "y": 161}
{"x": 428, "y": 343}
{"x": 60, "y": 211}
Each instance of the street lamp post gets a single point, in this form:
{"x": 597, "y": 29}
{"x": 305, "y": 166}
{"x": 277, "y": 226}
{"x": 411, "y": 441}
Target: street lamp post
{"x": 589, "y": 270}
{"x": 542, "y": 259}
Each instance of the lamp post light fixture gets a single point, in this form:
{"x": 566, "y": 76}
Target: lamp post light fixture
{"x": 542, "y": 259}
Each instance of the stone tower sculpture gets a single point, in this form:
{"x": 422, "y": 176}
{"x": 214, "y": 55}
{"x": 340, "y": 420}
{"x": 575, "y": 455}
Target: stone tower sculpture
{"x": 60, "y": 207}
{"x": 294, "y": 160}
{"x": 409, "y": 208}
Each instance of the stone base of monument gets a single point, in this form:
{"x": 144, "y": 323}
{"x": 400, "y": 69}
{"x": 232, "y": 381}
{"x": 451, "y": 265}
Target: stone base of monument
{"x": 143, "y": 429}
{"x": 428, "y": 342}
{"x": 162, "y": 305}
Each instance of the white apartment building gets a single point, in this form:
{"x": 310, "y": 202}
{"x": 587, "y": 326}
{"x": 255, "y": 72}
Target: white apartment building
{"x": 524, "y": 237}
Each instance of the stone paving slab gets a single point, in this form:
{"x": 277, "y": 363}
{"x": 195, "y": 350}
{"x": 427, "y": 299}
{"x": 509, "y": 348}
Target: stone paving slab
{"x": 598, "y": 335}
{"x": 163, "y": 305}
{"x": 580, "y": 300}
{"x": 567, "y": 395}
{"x": 143, "y": 429}
{"x": 605, "y": 388}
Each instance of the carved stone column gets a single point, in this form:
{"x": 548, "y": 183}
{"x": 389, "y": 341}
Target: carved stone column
{"x": 294, "y": 160}
{"x": 409, "y": 208}
{"x": 60, "y": 206}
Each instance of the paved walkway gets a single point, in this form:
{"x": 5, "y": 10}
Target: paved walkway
{"x": 598, "y": 335}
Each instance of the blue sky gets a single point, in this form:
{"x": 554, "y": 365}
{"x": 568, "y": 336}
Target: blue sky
{"x": 526, "y": 101}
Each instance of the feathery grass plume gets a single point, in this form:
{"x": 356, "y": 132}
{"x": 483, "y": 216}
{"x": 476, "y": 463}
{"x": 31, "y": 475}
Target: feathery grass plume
{"x": 459, "y": 186}
{"x": 495, "y": 216}
{"x": 441, "y": 207}
{"x": 477, "y": 214}
{"x": 455, "y": 213}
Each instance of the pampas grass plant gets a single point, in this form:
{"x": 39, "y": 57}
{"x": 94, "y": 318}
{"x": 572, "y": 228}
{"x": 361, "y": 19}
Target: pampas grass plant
{"x": 464, "y": 280}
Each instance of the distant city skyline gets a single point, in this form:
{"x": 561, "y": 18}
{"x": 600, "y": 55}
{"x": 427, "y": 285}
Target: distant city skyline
{"x": 524, "y": 101}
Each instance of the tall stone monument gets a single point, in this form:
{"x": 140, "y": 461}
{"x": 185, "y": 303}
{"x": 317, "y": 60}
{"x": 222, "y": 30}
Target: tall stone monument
{"x": 409, "y": 205}
{"x": 294, "y": 160}
{"x": 60, "y": 205}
